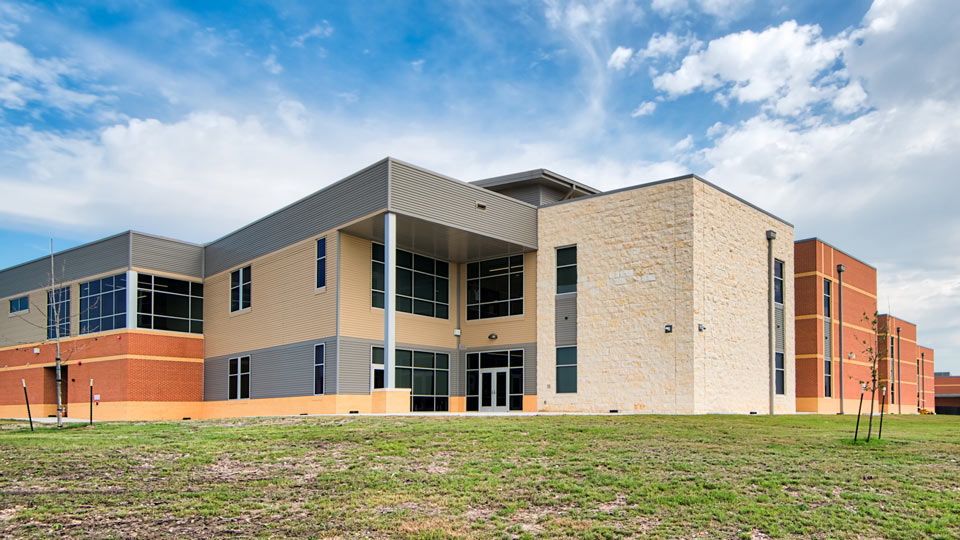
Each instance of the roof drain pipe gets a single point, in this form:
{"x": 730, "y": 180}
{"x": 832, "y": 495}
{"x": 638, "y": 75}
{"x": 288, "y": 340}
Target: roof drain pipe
{"x": 840, "y": 270}
{"x": 771, "y": 235}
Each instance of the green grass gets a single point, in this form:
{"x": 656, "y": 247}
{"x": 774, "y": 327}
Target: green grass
{"x": 486, "y": 477}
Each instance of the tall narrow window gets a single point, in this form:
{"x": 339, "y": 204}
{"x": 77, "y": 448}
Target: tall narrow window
{"x": 240, "y": 289}
{"x": 19, "y": 305}
{"x": 827, "y": 378}
{"x": 495, "y": 288}
{"x": 239, "y": 378}
{"x": 103, "y": 304}
{"x": 567, "y": 269}
{"x": 827, "y": 286}
{"x": 318, "y": 368}
{"x": 780, "y": 374}
{"x": 778, "y": 281}
{"x": 58, "y": 313}
{"x": 566, "y": 370}
{"x": 321, "y": 262}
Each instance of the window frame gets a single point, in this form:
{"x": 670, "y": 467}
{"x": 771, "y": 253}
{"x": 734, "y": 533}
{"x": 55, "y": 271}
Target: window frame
{"x": 62, "y": 320}
{"x": 20, "y": 310}
{"x": 560, "y": 267}
{"x": 322, "y": 365}
{"x": 146, "y": 295}
{"x": 413, "y": 299}
{"x": 95, "y": 300}
{"x": 241, "y": 273}
{"x": 511, "y": 368}
{"x": 509, "y": 301}
{"x": 779, "y": 285}
{"x": 321, "y": 281}
{"x": 827, "y": 298}
{"x": 575, "y": 365}
{"x": 239, "y": 376}
{"x": 780, "y": 374}
{"x": 413, "y": 368}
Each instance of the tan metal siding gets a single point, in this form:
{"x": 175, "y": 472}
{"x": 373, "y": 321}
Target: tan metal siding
{"x": 422, "y": 194}
{"x": 166, "y": 255}
{"x": 566, "y": 319}
{"x": 356, "y": 196}
{"x": 285, "y": 307}
{"x": 72, "y": 264}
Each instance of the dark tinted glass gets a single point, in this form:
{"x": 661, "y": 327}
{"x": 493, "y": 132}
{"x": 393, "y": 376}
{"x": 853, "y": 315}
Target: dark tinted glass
{"x": 423, "y": 359}
{"x": 566, "y": 356}
{"x": 404, "y": 358}
{"x": 473, "y": 361}
{"x": 516, "y": 403}
{"x": 516, "y": 381}
{"x": 473, "y": 404}
{"x": 567, "y": 256}
{"x": 171, "y": 285}
{"x": 404, "y": 282}
{"x": 404, "y": 376}
{"x": 566, "y": 279}
{"x": 566, "y": 379}
{"x": 378, "y": 378}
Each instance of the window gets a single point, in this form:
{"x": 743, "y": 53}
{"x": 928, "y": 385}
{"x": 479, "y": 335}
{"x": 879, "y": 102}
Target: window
{"x": 827, "y": 378}
{"x": 18, "y": 305}
{"x": 495, "y": 288}
{"x": 321, "y": 262}
{"x": 779, "y": 374}
{"x": 495, "y": 359}
{"x": 426, "y": 374}
{"x": 778, "y": 281}
{"x": 240, "y": 289}
{"x": 239, "y": 378}
{"x": 826, "y": 298}
{"x": 566, "y": 370}
{"x": 318, "y": 368}
{"x": 423, "y": 284}
{"x": 567, "y": 269}
{"x": 103, "y": 304}
{"x": 169, "y": 304}
{"x": 58, "y": 313}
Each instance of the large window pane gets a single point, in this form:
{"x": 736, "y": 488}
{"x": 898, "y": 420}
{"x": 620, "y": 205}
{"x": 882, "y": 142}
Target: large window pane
{"x": 566, "y": 379}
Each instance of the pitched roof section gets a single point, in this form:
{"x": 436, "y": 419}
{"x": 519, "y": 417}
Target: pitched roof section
{"x": 539, "y": 176}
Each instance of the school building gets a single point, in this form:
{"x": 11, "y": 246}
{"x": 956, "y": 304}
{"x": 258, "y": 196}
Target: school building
{"x": 398, "y": 289}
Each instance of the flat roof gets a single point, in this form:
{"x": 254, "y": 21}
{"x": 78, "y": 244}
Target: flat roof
{"x": 835, "y": 248}
{"x": 889, "y": 316}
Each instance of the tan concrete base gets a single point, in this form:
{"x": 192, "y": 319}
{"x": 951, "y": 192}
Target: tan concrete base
{"x": 458, "y": 404}
{"x": 529, "y": 403}
{"x": 391, "y": 400}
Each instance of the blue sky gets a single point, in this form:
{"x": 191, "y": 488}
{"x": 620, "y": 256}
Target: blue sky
{"x": 189, "y": 120}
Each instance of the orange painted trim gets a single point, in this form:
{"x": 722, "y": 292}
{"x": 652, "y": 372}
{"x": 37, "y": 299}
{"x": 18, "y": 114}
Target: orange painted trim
{"x": 458, "y": 404}
{"x": 105, "y": 359}
{"x": 530, "y": 403}
{"x": 832, "y": 278}
{"x": 102, "y": 334}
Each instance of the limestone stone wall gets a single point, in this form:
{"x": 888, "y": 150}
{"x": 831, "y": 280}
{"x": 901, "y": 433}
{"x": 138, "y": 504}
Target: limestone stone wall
{"x": 731, "y": 370}
{"x": 635, "y": 275}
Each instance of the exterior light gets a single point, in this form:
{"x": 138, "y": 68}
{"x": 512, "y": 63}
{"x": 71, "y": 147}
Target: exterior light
{"x": 668, "y": 329}
{"x": 492, "y": 336}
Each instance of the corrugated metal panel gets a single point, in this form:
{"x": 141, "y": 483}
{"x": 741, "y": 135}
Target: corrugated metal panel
{"x": 358, "y": 195}
{"x": 827, "y": 339}
{"x": 550, "y": 195}
{"x": 283, "y": 371}
{"x": 529, "y": 364}
{"x": 566, "y": 319}
{"x": 528, "y": 193}
{"x": 425, "y": 195}
{"x": 458, "y": 374}
{"x": 779, "y": 330}
{"x": 215, "y": 379}
{"x": 87, "y": 260}
{"x": 166, "y": 255}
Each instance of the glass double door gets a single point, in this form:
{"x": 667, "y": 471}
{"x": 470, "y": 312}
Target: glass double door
{"x": 494, "y": 390}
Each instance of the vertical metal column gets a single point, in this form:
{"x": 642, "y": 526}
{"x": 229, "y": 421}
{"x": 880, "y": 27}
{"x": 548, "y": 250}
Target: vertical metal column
{"x": 389, "y": 299}
{"x": 840, "y": 270}
{"x": 131, "y": 299}
{"x": 899, "y": 376}
{"x": 771, "y": 235}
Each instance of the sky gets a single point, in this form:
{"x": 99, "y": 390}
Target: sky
{"x": 192, "y": 119}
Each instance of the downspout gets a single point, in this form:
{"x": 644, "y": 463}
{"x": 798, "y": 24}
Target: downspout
{"x": 771, "y": 235}
{"x": 840, "y": 269}
{"x": 899, "y": 377}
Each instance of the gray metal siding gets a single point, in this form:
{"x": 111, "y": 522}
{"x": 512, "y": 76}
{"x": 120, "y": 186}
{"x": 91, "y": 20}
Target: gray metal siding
{"x": 283, "y": 371}
{"x": 87, "y": 260}
{"x": 425, "y": 195}
{"x": 529, "y": 365}
{"x": 779, "y": 330}
{"x": 355, "y": 362}
{"x": 356, "y": 196}
{"x": 458, "y": 373}
{"x": 566, "y": 319}
{"x": 551, "y": 195}
{"x": 166, "y": 255}
{"x": 528, "y": 193}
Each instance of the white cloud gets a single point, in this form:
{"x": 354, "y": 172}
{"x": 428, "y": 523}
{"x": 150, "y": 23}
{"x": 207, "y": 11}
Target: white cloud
{"x": 644, "y": 109}
{"x": 272, "y": 65}
{"x": 26, "y": 79}
{"x": 417, "y": 65}
{"x": 724, "y": 10}
{"x": 322, "y": 30}
{"x": 668, "y": 45}
{"x": 618, "y": 60}
{"x": 779, "y": 67}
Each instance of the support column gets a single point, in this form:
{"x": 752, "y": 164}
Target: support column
{"x": 389, "y": 299}
{"x": 771, "y": 318}
{"x": 131, "y": 299}
{"x": 840, "y": 269}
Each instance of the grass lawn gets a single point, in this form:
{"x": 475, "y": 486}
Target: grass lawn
{"x": 486, "y": 477}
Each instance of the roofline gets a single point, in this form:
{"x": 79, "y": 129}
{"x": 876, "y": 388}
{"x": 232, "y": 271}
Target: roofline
{"x": 471, "y": 185}
{"x": 535, "y": 174}
{"x": 677, "y": 179}
{"x": 835, "y": 248}
{"x": 74, "y": 248}
{"x": 946, "y": 395}
{"x": 889, "y": 316}
{"x": 161, "y": 237}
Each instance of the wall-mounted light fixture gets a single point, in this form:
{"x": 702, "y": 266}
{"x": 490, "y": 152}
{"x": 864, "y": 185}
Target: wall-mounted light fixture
{"x": 668, "y": 329}
{"x": 492, "y": 336}
{"x": 701, "y": 327}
